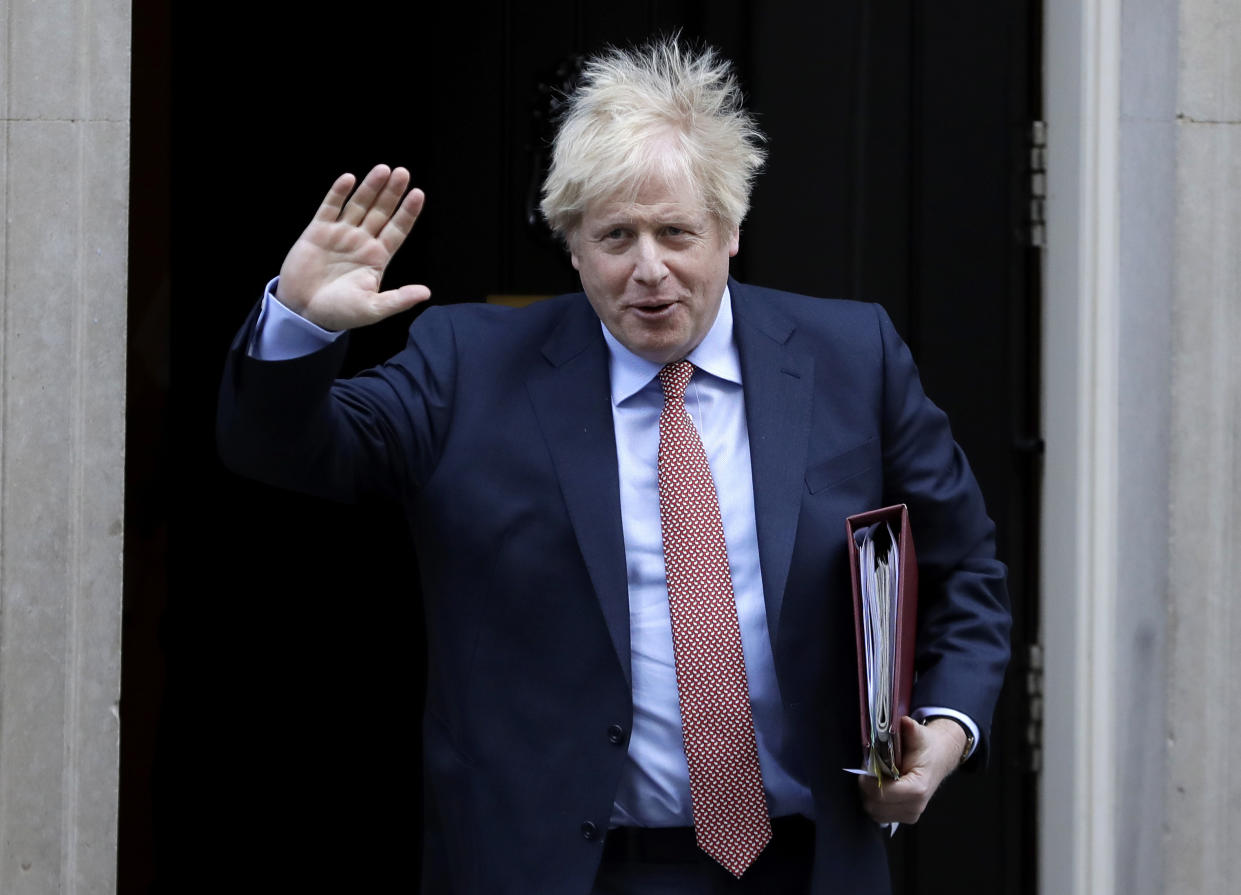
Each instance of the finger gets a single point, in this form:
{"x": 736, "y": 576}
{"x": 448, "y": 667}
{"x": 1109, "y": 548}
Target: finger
{"x": 897, "y": 801}
{"x": 889, "y": 792}
{"x": 387, "y": 200}
{"x": 393, "y": 301}
{"x": 877, "y": 806}
{"x": 869, "y": 788}
{"x": 364, "y": 197}
{"x": 329, "y": 209}
{"x": 400, "y": 223}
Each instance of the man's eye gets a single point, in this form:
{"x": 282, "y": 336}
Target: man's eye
{"x": 616, "y": 233}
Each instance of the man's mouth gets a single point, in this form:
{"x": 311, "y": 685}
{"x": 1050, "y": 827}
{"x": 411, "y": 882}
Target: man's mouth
{"x": 653, "y": 310}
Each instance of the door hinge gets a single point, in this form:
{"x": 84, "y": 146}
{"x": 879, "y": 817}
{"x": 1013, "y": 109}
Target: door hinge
{"x": 1036, "y": 220}
{"x": 1034, "y": 708}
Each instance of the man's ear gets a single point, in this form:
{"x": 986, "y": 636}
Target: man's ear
{"x": 570, "y": 243}
{"x": 734, "y": 242}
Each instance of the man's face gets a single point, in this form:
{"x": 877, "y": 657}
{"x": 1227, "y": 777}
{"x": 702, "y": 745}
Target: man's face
{"x": 654, "y": 269}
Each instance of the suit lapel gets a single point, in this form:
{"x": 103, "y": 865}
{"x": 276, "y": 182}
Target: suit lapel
{"x": 571, "y": 397}
{"x": 779, "y": 389}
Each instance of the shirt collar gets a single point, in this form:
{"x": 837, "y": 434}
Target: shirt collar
{"x": 716, "y": 354}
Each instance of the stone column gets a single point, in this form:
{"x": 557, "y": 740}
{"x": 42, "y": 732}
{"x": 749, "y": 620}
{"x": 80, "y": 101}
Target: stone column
{"x": 1146, "y": 211}
{"x": 64, "y": 147}
{"x": 1202, "y": 852}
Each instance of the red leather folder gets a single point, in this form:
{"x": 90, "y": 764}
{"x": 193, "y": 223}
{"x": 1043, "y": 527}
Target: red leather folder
{"x": 884, "y": 754}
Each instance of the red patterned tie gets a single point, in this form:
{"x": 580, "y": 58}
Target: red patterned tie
{"x": 725, "y": 781}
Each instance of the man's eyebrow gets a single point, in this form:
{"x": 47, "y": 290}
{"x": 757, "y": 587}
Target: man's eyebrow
{"x": 678, "y": 217}
{"x": 619, "y": 216}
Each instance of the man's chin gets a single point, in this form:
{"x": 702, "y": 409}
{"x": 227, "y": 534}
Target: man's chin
{"x": 660, "y": 340}
{"x": 660, "y": 352}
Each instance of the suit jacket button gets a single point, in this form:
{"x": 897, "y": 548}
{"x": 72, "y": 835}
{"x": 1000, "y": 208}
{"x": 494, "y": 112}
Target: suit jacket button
{"x": 589, "y": 831}
{"x": 616, "y": 734}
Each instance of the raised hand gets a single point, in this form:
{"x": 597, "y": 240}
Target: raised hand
{"x": 331, "y": 276}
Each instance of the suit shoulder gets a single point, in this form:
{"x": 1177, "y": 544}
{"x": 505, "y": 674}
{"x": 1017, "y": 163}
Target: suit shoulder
{"x": 838, "y": 324}
{"x": 814, "y": 307}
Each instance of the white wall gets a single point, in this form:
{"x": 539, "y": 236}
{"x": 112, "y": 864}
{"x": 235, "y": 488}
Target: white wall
{"x": 1142, "y": 403}
{"x": 64, "y": 114}
{"x": 1203, "y": 779}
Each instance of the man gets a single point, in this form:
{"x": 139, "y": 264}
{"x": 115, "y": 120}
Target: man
{"x": 629, "y": 508}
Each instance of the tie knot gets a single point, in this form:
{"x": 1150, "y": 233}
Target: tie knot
{"x": 675, "y": 378}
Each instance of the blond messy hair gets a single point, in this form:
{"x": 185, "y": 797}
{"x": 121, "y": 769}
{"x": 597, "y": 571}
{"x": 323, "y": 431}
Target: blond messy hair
{"x": 654, "y": 111}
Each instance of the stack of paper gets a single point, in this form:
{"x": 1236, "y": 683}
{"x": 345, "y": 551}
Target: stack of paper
{"x": 879, "y": 573}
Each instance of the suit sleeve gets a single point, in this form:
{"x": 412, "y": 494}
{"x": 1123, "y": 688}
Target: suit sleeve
{"x": 294, "y": 424}
{"x": 963, "y": 610}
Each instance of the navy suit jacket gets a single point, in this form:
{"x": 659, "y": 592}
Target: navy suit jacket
{"x": 493, "y": 428}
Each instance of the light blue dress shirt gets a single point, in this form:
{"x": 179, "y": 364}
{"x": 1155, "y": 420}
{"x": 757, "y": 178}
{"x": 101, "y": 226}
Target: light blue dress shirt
{"x": 654, "y": 786}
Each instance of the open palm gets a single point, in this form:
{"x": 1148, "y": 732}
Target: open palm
{"x": 332, "y": 274}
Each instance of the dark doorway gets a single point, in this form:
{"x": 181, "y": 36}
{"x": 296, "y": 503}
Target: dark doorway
{"x": 272, "y": 655}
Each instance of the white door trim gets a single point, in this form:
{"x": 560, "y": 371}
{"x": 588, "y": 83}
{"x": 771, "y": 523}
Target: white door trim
{"x": 1078, "y": 562}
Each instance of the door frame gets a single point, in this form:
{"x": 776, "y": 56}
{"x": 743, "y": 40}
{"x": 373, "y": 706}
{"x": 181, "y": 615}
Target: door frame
{"x": 1081, "y": 352}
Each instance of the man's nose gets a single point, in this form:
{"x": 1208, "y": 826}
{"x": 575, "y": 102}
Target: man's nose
{"x": 649, "y": 268}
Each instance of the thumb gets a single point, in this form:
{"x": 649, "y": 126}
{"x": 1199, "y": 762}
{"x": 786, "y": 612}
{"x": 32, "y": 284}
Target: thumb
{"x": 915, "y": 739}
{"x": 934, "y": 747}
{"x": 394, "y": 301}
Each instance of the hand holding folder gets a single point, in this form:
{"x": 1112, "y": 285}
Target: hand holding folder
{"x": 884, "y": 572}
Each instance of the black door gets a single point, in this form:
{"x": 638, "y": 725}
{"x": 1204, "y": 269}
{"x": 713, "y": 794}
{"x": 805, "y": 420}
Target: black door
{"x": 900, "y": 173}
{"x": 267, "y": 702}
